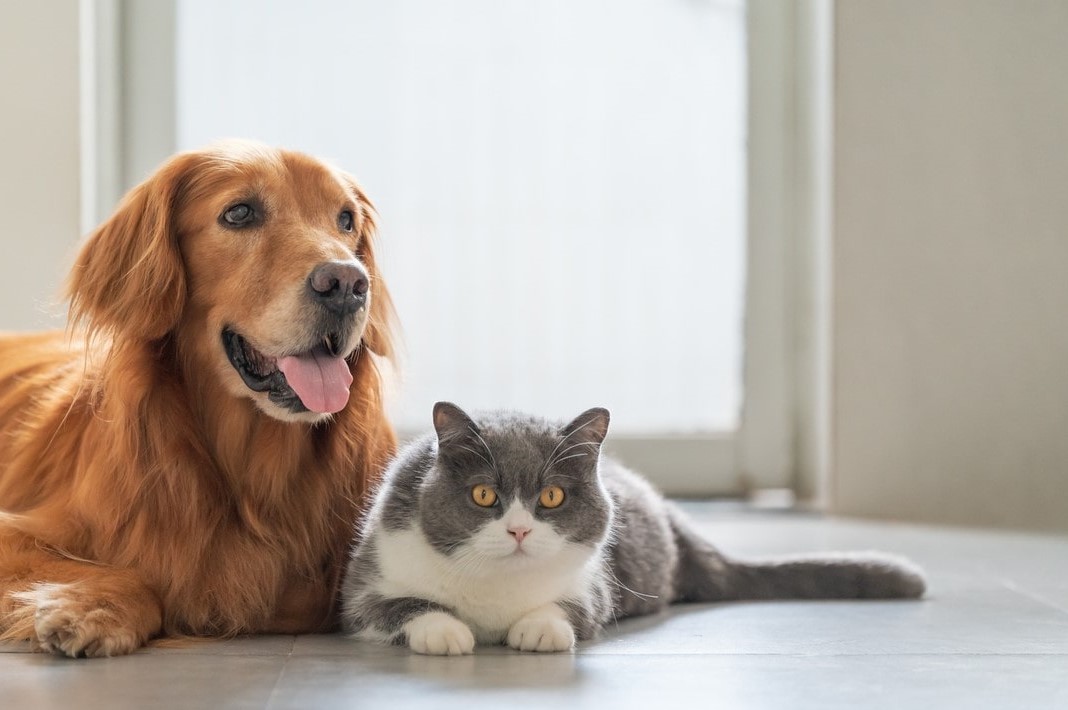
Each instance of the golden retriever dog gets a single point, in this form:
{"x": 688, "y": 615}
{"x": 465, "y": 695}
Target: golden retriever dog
{"x": 189, "y": 459}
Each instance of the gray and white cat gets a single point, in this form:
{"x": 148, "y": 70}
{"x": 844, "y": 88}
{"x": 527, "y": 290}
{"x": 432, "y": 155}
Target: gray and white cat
{"x": 515, "y": 530}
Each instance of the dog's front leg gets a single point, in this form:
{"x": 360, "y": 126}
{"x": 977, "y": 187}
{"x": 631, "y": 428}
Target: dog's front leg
{"x": 74, "y": 608}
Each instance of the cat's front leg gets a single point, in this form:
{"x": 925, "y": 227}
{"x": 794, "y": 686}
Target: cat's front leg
{"x": 439, "y": 633}
{"x": 420, "y": 624}
{"x": 545, "y": 629}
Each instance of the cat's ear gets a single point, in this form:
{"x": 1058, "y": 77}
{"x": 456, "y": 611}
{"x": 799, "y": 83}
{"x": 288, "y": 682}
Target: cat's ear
{"x": 452, "y": 423}
{"x": 459, "y": 440}
{"x": 590, "y": 427}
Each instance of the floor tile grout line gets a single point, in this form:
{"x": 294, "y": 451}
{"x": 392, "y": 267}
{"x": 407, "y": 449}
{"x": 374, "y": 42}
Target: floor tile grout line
{"x": 1033, "y": 596}
{"x": 278, "y": 678}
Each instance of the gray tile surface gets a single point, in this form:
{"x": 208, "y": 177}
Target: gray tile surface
{"x": 993, "y": 633}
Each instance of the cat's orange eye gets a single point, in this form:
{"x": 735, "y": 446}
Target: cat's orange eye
{"x": 551, "y": 496}
{"x": 484, "y": 495}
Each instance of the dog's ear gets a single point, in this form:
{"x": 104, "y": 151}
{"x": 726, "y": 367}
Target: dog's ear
{"x": 378, "y": 336}
{"x": 129, "y": 277}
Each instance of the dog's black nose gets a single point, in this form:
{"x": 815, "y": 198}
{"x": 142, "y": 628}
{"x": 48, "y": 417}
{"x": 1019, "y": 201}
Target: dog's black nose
{"x": 340, "y": 286}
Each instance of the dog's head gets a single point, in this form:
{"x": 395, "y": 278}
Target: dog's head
{"x": 258, "y": 262}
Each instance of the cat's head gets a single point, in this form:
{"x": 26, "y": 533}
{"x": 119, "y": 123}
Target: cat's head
{"x": 513, "y": 490}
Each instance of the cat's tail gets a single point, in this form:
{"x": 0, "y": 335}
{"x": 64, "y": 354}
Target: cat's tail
{"x": 705, "y": 575}
{"x": 870, "y": 575}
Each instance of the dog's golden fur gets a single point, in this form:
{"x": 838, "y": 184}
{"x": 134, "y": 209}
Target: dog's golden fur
{"x": 145, "y": 490}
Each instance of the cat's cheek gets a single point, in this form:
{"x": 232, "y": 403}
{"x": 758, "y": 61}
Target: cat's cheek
{"x": 545, "y": 630}
{"x": 437, "y": 633}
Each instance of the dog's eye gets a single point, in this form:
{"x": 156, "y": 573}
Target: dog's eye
{"x": 345, "y": 221}
{"x": 239, "y": 215}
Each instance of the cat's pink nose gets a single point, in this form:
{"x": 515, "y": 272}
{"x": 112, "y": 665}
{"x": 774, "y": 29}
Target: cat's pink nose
{"x": 519, "y": 533}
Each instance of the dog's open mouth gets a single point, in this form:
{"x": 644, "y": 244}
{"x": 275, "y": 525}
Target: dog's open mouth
{"x": 316, "y": 380}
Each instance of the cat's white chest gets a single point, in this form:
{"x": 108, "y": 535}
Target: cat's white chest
{"x": 488, "y": 600}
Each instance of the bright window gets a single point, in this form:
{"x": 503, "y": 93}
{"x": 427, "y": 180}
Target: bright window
{"x": 561, "y": 184}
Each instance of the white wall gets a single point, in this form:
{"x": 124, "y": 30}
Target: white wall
{"x": 39, "y": 168}
{"x": 950, "y": 261}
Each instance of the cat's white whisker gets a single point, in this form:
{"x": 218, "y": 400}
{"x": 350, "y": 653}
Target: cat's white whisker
{"x": 624, "y": 587}
{"x": 476, "y": 453}
{"x": 563, "y": 441}
{"x": 493, "y": 462}
{"x": 572, "y": 456}
{"x": 557, "y": 458}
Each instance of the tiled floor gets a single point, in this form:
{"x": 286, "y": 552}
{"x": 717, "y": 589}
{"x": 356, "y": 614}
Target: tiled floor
{"x": 993, "y": 633}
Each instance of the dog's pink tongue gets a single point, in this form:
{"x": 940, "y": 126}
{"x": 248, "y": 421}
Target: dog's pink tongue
{"x": 322, "y": 382}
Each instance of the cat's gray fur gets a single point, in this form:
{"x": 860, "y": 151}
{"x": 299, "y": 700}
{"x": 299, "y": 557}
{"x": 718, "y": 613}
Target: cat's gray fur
{"x": 647, "y": 551}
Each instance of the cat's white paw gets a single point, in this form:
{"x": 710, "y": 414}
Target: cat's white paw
{"x": 439, "y": 634}
{"x": 546, "y": 629}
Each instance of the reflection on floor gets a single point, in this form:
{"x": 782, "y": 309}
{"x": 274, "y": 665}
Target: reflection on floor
{"x": 993, "y": 632}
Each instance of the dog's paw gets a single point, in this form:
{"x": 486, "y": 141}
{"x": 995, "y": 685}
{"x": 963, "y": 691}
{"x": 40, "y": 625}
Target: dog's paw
{"x": 546, "y": 629}
{"x": 439, "y": 634}
{"x": 66, "y": 622}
